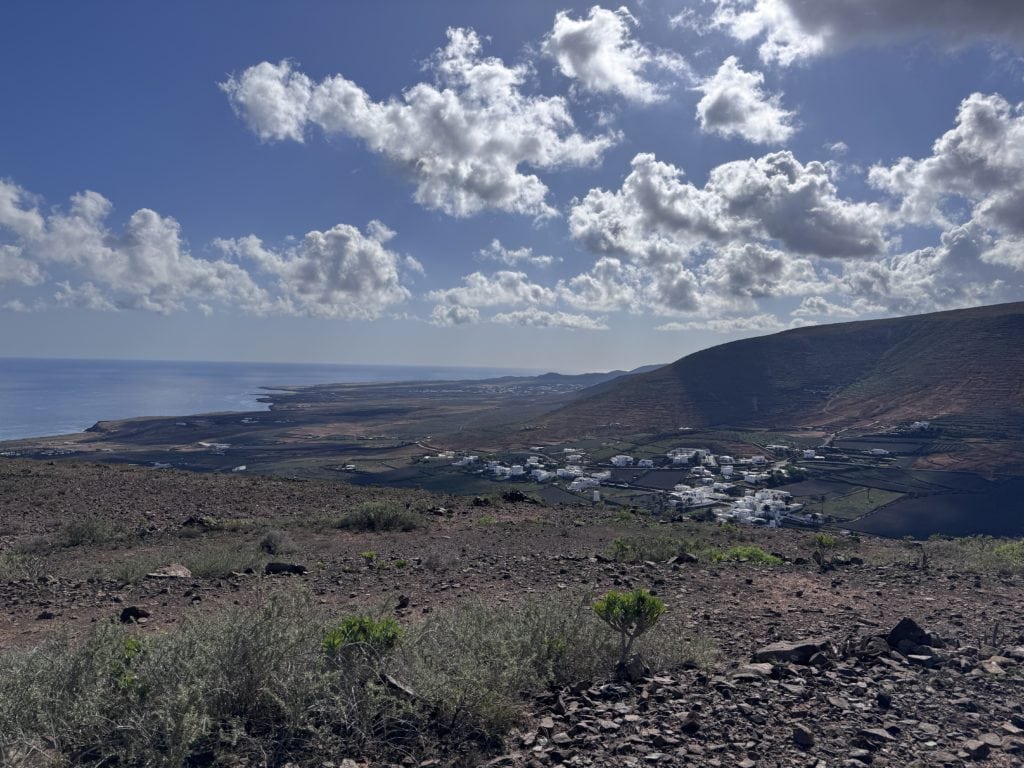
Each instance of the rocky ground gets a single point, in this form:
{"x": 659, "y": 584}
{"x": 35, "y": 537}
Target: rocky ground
{"x": 812, "y": 667}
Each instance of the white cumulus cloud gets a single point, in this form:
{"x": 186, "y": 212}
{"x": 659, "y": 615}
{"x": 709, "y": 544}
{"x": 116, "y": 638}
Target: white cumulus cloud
{"x": 600, "y": 54}
{"x": 515, "y": 256}
{"x": 341, "y": 273}
{"x": 539, "y": 318}
{"x": 16, "y": 269}
{"x": 145, "y": 265}
{"x": 502, "y": 288}
{"x": 657, "y": 217}
{"x": 735, "y": 104}
{"x": 464, "y": 139}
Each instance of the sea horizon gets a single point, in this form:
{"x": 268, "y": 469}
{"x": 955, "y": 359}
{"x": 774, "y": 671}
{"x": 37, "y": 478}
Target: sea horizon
{"x": 47, "y": 396}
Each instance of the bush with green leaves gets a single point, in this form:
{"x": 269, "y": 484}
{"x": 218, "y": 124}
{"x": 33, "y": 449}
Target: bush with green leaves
{"x": 278, "y": 683}
{"x": 381, "y": 516}
{"x": 825, "y": 541}
{"x": 637, "y": 549}
{"x": 745, "y": 554}
{"x": 364, "y": 633}
{"x": 630, "y": 614}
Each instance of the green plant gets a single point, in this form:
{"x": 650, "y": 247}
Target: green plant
{"x": 85, "y": 530}
{"x": 377, "y": 636}
{"x": 219, "y": 560}
{"x": 381, "y": 516}
{"x": 630, "y": 614}
{"x": 16, "y": 566}
{"x": 276, "y": 542}
{"x": 401, "y": 563}
{"x": 825, "y": 541}
{"x": 745, "y": 554}
{"x": 655, "y": 549}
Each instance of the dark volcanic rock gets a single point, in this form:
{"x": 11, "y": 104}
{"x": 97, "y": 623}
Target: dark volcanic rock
{"x": 287, "y": 568}
{"x": 798, "y": 652}
{"x": 907, "y": 630}
{"x": 133, "y": 614}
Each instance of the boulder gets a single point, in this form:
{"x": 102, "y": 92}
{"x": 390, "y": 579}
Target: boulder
{"x": 798, "y": 652}
{"x": 133, "y": 615}
{"x": 906, "y": 631}
{"x": 272, "y": 569}
{"x": 172, "y": 571}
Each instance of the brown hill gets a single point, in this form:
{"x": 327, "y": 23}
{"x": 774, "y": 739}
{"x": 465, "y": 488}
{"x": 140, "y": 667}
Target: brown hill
{"x": 966, "y": 365}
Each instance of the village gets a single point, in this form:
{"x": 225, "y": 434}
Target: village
{"x": 683, "y": 481}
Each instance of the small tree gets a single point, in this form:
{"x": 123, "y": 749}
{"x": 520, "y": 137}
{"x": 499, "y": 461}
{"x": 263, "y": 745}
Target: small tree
{"x": 630, "y": 614}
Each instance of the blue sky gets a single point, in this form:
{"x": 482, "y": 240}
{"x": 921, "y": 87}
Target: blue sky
{"x": 570, "y": 187}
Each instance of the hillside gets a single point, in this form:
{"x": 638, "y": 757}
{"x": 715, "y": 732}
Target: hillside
{"x": 962, "y": 365}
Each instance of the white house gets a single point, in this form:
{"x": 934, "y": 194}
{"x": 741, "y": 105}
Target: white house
{"x": 809, "y": 453}
{"x": 727, "y": 470}
{"x": 583, "y": 484}
{"x": 646, "y": 463}
{"x": 622, "y": 461}
{"x": 517, "y": 470}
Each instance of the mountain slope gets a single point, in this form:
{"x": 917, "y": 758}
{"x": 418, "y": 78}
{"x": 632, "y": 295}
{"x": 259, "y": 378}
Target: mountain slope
{"x": 962, "y": 363}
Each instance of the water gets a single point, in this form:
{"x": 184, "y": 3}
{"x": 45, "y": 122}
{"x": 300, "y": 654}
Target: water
{"x": 57, "y": 397}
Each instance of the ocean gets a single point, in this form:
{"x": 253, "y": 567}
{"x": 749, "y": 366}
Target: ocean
{"x": 57, "y": 397}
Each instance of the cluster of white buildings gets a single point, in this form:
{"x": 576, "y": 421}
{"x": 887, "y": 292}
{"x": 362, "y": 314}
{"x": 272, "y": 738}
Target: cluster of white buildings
{"x": 763, "y": 507}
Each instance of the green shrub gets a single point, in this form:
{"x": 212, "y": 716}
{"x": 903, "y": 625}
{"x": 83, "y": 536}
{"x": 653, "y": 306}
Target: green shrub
{"x": 745, "y": 554}
{"x": 1010, "y": 553}
{"x": 276, "y": 542}
{"x": 479, "y": 664}
{"x": 278, "y": 683}
{"x": 377, "y": 636}
{"x": 381, "y": 516}
{"x": 825, "y": 541}
{"x": 630, "y": 614}
{"x": 85, "y": 530}
{"x": 654, "y": 549}
{"x": 17, "y": 566}
{"x": 221, "y": 560}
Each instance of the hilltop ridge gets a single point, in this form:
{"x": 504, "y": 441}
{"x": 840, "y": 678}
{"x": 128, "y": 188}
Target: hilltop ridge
{"x": 961, "y": 365}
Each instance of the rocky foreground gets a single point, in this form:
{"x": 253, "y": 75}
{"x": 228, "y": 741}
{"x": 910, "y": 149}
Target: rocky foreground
{"x": 876, "y": 653}
{"x": 905, "y": 698}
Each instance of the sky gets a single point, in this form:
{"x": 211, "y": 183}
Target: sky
{"x": 564, "y": 187}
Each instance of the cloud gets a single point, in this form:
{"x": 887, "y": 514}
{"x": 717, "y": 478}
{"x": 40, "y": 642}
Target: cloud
{"x": 84, "y": 296}
{"x": 144, "y": 266}
{"x": 538, "y": 318}
{"x": 735, "y": 104}
{"x": 980, "y": 161}
{"x": 609, "y": 286}
{"x": 513, "y": 257}
{"x": 762, "y": 322}
{"x": 147, "y": 264}
{"x": 502, "y": 288}
{"x": 17, "y": 211}
{"x": 600, "y": 54}
{"x": 452, "y": 314}
{"x": 818, "y": 306}
{"x": 791, "y": 30}
{"x": 463, "y": 139}
{"x": 656, "y": 217}
{"x": 341, "y": 273}
{"x": 752, "y": 271}
{"x": 15, "y": 269}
